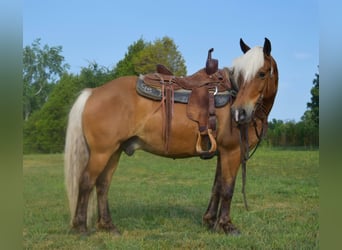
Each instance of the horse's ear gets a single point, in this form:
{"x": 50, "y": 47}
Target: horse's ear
{"x": 267, "y": 47}
{"x": 244, "y": 47}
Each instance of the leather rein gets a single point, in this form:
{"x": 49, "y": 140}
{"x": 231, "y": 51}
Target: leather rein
{"x": 244, "y": 147}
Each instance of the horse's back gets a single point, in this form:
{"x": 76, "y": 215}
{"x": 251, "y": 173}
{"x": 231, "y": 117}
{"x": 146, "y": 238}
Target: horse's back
{"x": 115, "y": 88}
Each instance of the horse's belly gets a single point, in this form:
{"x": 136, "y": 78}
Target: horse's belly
{"x": 180, "y": 142}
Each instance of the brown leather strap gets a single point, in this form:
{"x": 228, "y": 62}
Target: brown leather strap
{"x": 212, "y": 113}
{"x": 167, "y": 104}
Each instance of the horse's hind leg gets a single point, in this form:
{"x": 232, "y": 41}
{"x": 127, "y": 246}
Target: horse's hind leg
{"x": 210, "y": 216}
{"x": 95, "y": 166}
{"x": 104, "y": 221}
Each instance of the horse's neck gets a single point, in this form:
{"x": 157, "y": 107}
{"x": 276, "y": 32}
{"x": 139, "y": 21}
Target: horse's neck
{"x": 268, "y": 104}
{"x": 263, "y": 112}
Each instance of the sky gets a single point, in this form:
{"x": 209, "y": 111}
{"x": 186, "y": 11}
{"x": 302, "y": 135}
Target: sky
{"x": 101, "y": 31}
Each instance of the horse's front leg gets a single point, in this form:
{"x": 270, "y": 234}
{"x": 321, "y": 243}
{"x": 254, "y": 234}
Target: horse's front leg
{"x": 210, "y": 216}
{"x": 229, "y": 168}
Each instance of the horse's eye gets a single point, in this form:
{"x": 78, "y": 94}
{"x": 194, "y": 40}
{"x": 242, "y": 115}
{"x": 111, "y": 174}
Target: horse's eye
{"x": 262, "y": 74}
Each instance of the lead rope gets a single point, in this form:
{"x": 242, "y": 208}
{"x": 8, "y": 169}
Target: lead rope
{"x": 245, "y": 155}
{"x": 244, "y": 158}
{"x": 244, "y": 146}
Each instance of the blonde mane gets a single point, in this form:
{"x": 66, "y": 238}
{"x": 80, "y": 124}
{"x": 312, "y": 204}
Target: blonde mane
{"x": 248, "y": 64}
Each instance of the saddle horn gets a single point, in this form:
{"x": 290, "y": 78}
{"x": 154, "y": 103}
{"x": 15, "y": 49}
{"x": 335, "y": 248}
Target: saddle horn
{"x": 212, "y": 64}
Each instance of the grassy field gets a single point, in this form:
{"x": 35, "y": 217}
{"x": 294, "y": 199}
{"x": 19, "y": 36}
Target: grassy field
{"x": 158, "y": 203}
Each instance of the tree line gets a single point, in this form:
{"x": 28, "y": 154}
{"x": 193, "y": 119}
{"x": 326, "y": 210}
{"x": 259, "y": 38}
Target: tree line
{"x": 303, "y": 133}
{"x": 49, "y": 91}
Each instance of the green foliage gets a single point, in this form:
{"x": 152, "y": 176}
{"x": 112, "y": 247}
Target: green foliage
{"x": 310, "y": 119}
{"x": 142, "y": 57}
{"x": 291, "y": 134}
{"x": 158, "y": 203}
{"x": 95, "y": 75}
{"x": 44, "y": 132}
{"x": 42, "y": 67}
{"x": 304, "y": 133}
{"x": 312, "y": 114}
{"x": 162, "y": 51}
{"x": 125, "y": 67}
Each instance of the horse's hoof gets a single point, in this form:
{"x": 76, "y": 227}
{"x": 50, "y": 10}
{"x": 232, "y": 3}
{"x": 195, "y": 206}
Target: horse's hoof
{"x": 227, "y": 228}
{"x": 232, "y": 230}
{"x": 79, "y": 230}
{"x": 115, "y": 232}
{"x": 208, "y": 222}
{"x": 110, "y": 228}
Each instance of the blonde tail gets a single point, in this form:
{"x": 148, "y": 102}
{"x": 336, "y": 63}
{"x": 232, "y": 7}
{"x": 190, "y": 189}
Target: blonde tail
{"x": 76, "y": 156}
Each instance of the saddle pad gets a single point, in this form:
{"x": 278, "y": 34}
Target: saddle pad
{"x": 180, "y": 96}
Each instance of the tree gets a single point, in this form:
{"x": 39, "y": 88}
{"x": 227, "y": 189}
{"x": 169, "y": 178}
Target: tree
{"x": 125, "y": 66}
{"x": 42, "y": 67}
{"x": 311, "y": 129}
{"x": 275, "y": 133}
{"x": 142, "y": 57}
{"x": 303, "y": 133}
{"x": 162, "y": 51}
{"x": 313, "y": 106}
{"x": 310, "y": 118}
{"x": 95, "y": 75}
{"x": 44, "y": 132}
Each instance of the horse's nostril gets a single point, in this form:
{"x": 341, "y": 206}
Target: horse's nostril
{"x": 240, "y": 115}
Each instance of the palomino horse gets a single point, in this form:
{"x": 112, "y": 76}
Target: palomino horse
{"x": 112, "y": 118}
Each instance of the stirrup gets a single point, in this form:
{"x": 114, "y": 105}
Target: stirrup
{"x": 213, "y": 147}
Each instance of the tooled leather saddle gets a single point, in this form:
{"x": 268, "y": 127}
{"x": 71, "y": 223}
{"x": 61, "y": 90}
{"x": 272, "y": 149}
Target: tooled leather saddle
{"x": 202, "y": 92}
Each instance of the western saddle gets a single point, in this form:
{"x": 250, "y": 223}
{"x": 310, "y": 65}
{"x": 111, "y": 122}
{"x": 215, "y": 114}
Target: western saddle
{"x": 203, "y": 92}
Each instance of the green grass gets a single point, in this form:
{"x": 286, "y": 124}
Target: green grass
{"x": 158, "y": 203}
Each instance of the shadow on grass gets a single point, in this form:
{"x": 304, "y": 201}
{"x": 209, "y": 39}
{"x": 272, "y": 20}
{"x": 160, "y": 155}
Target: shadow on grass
{"x": 136, "y": 215}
